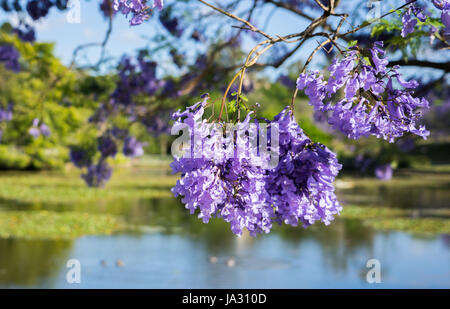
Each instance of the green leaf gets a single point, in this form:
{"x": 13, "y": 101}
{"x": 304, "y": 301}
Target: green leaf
{"x": 231, "y": 106}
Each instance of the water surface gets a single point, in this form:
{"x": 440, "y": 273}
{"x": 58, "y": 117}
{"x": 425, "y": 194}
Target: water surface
{"x": 175, "y": 250}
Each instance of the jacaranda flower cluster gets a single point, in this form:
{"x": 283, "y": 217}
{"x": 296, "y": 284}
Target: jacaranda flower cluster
{"x": 226, "y": 179}
{"x": 9, "y": 57}
{"x": 376, "y": 99}
{"x": 138, "y": 8}
{"x": 410, "y": 17}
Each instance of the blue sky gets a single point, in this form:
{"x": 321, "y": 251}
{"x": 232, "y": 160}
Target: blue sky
{"x": 125, "y": 39}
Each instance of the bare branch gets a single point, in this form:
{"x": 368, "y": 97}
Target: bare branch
{"x": 444, "y": 66}
{"x": 252, "y": 28}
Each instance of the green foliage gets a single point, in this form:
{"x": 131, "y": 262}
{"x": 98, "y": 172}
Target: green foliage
{"x": 147, "y": 182}
{"x": 58, "y": 96}
{"x": 40, "y": 91}
{"x": 422, "y": 226}
{"x": 400, "y": 219}
{"x": 413, "y": 42}
{"x": 364, "y": 213}
{"x": 61, "y": 189}
{"x": 56, "y": 225}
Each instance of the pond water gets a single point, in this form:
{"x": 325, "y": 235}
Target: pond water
{"x": 172, "y": 249}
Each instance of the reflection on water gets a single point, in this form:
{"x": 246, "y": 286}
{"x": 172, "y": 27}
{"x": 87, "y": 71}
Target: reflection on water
{"x": 31, "y": 262}
{"x": 409, "y": 198}
{"x": 321, "y": 257}
{"x": 184, "y": 253}
{"x": 407, "y": 190}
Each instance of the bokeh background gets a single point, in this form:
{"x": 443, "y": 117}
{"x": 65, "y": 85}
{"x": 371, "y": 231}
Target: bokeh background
{"x": 132, "y": 233}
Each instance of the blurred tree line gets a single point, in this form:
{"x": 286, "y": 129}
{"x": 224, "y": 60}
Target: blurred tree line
{"x": 65, "y": 98}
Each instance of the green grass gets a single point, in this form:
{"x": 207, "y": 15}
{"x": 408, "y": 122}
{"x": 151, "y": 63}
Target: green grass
{"x": 401, "y": 179}
{"x": 422, "y": 226}
{"x": 364, "y": 213}
{"x": 431, "y": 222}
{"x": 55, "y": 225}
{"x": 68, "y": 188}
{"x": 151, "y": 179}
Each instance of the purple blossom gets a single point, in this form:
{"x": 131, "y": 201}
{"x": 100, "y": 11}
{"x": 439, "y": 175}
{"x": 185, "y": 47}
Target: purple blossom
{"x": 301, "y": 186}
{"x": 45, "y": 130}
{"x": 445, "y": 16}
{"x": 97, "y": 174}
{"x": 217, "y": 186}
{"x": 372, "y": 105}
{"x": 139, "y": 9}
{"x": 384, "y": 172}
{"x": 9, "y": 56}
{"x": 444, "y": 5}
{"x": 6, "y": 114}
{"x": 26, "y": 33}
{"x": 107, "y": 146}
{"x": 171, "y": 23}
{"x": 37, "y": 129}
{"x": 410, "y": 17}
{"x": 38, "y": 8}
{"x": 79, "y": 157}
{"x": 243, "y": 193}
{"x": 409, "y": 22}
{"x": 132, "y": 147}
{"x": 158, "y": 4}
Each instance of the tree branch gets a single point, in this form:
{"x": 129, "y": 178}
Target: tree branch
{"x": 445, "y": 66}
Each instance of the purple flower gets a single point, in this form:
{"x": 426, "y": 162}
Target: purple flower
{"x": 9, "y": 56}
{"x": 132, "y": 147}
{"x": 138, "y": 8}
{"x": 26, "y": 34}
{"x": 409, "y": 23}
{"x": 171, "y": 23}
{"x": 33, "y": 131}
{"x": 384, "y": 172}
{"x": 107, "y": 146}
{"x": 301, "y": 186}
{"x": 38, "y": 8}
{"x": 97, "y": 174}
{"x": 6, "y": 114}
{"x": 36, "y": 130}
{"x": 158, "y": 4}
{"x": 409, "y": 19}
{"x": 217, "y": 185}
{"x": 445, "y": 16}
{"x": 79, "y": 157}
{"x": 372, "y": 105}
{"x": 45, "y": 130}
{"x": 244, "y": 193}
{"x": 444, "y": 5}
